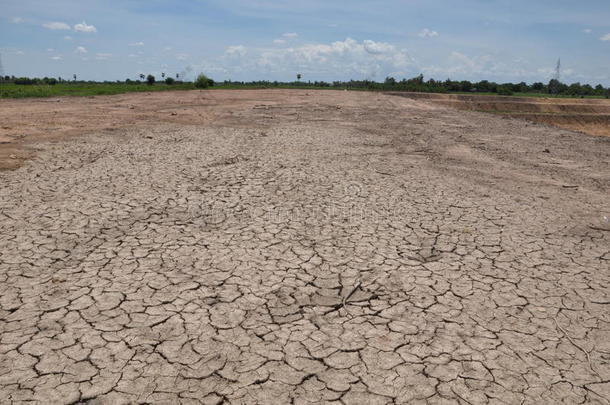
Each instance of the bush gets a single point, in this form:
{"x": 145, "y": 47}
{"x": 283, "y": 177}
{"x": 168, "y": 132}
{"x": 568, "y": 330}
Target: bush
{"x": 203, "y": 82}
{"x": 169, "y": 81}
{"x": 150, "y": 79}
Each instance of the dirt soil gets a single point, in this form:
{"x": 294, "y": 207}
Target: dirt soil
{"x": 590, "y": 116}
{"x": 277, "y": 247}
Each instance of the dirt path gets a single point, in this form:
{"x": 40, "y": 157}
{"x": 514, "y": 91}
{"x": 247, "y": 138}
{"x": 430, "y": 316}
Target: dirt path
{"x": 206, "y": 256}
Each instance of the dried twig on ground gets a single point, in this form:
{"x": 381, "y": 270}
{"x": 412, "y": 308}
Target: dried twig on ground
{"x": 347, "y": 297}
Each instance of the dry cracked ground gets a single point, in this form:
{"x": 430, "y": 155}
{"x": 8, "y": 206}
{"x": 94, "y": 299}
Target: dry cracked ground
{"x": 292, "y": 247}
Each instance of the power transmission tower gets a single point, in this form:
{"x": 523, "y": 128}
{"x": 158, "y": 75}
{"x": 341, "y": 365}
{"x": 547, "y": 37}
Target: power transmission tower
{"x": 1, "y": 69}
{"x": 555, "y": 84}
{"x": 1, "y": 76}
{"x": 558, "y": 70}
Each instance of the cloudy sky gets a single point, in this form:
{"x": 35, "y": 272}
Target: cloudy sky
{"x": 501, "y": 40}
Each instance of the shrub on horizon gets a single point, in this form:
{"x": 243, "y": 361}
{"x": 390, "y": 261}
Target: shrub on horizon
{"x": 203, "y": 82}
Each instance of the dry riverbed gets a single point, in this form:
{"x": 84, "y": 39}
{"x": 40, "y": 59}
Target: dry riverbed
{"x": 284, "y": 246}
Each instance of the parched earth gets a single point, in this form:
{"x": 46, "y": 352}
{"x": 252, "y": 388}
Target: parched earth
{"x": 293, "y": 247}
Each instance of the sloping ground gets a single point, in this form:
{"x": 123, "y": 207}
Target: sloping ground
{"x": 591, "y": 116}
{"x": 278, "y": 247}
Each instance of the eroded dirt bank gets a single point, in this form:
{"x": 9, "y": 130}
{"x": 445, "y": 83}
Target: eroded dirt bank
{"x": 198, "y": 247}
{"x": 590, "y": 116}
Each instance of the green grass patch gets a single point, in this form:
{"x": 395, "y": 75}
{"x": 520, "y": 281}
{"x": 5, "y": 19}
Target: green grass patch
{"x": 10, "y": 90}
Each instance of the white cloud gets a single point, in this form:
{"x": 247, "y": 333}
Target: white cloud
{"x": 587, "y": 30}
{"x": 236, "y": 50}
{"x": 545, "y": 71}
{"x": 83, "y": 27}
{"x": 483, "y": 66}
{"x": 605, "y": 37}
{"x": 68, "y": 38}
{"x": 17, "y": 20}
{"x": 20, "y": 53}
{"x": 358, "y": 59}
{"x": 80, "y": 49}
{"x": 56, "y": 26}
{"x": 290, "y": 35}
{"x": 50, "y": 50}
{"x": 461, "y": 59}
{"x": 426, "y": 33}
{"x": 56, "y": 58}
{"x": 279, "y": 41}
{"x": 137, "y": 44}
{"x": 131, "y": 55}
{"x": 182, "y": 56}
{"x": 377, "y": 47}
{"x": 102, "y": 56}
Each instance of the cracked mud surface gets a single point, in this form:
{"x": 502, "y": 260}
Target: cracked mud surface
{"x": 207, "y": 256}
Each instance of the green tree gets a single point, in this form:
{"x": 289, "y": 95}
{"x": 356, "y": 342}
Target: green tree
{"x": 599, "y": 90}
{"x": 575, "y": 89}
{"x": 505, "y": 90}
{"x": 465, "y": 85}
{"x": 150, "y": 79}
{"x": 417, "y": 79}
{"x": 203, "y": 82}
{"x": 390, "y": 81}
{"x": 538, "y": 86}
{"x": 554, "y": 86}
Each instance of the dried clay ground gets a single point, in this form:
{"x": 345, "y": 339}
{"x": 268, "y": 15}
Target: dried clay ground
{"x": 294, "y": 247}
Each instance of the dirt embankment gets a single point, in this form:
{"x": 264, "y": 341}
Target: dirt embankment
{"x": 591, "y": 116}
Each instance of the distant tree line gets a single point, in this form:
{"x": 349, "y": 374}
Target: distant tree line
{"x": 31, "y": 81}
{"x": 150, "y": 79}
{"x": 202, "y": 81}
{"x": 416, "y": 84}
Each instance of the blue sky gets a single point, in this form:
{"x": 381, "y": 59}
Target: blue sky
{"x": 500, "y": 40}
